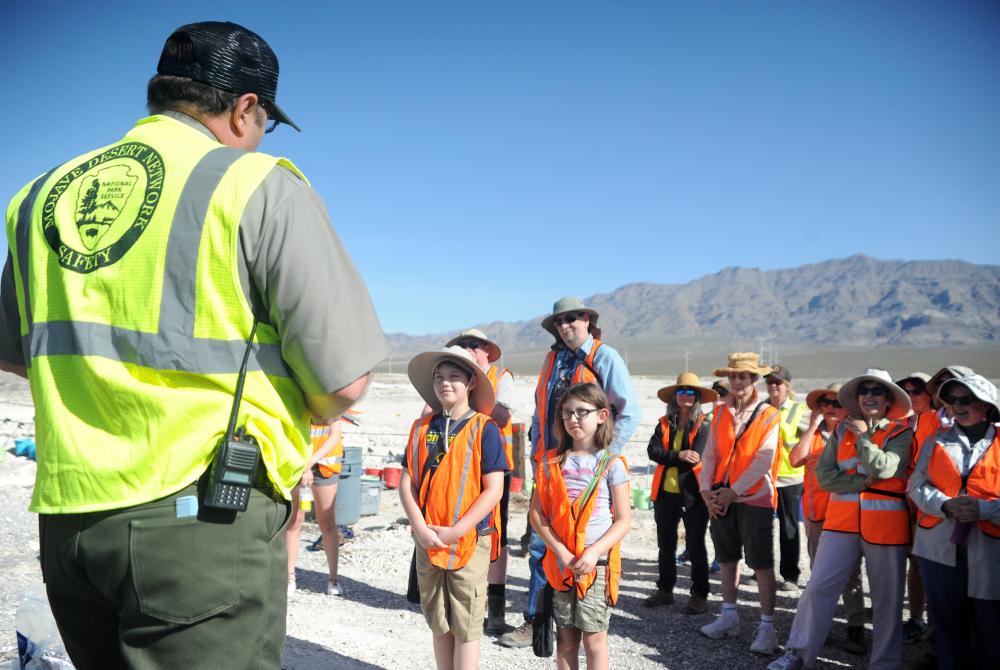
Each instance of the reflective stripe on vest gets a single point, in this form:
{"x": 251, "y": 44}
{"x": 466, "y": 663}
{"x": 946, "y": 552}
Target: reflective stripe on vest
{"x": 133, "y": 349}
{"x": 665, "y": 442}
{"x": 983, "y": 481}
{"x": 454, "y": 486}
{"x": 879, "y": 513}
{"x": 506, "y": 430}
{"x": 583, "y": 372}
{"x": 568, "y": 520}
{"x": 814, "y": 497}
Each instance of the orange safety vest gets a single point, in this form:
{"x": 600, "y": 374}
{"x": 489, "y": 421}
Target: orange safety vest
{"x": 983, "y": 482}
{"x": 928, "y": 423}
{"x": 454, "y": 487}
{"x": 814, "y": 497}
{"x": 668, "y": 446}
{"x": 332, "y": 463}
{"x": 736, "y": 455}
{"x": 568, "y": 521}
{"x": 880, "y": 513}
{"x": 506, "y": 430}
{"x": 585, "y": 372}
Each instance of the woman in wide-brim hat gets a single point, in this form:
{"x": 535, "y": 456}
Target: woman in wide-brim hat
{"x": 676, "y": 447}
{"x": 899, "y": 404}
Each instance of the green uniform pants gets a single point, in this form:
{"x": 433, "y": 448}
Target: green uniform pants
{"x": 141, "y": 588}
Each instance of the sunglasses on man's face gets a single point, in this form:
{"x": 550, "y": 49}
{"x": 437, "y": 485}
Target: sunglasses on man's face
{"x": 958, "y": 400}
{"x": 568, "y": 318}
{"x": 472, "y": 344}
{"x": 914, "y": 390}
{"x": 272, "y": 122}
{"x": 877, "y": 391}
{"x": 687, "y": 392}
{"x": 829, "y": 402}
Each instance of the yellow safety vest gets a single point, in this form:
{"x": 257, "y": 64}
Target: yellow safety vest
{"x": 134, "y": 323}
{"x": 791, "y": 416}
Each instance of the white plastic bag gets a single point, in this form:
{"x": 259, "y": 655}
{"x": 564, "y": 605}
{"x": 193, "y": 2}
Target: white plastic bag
{"x": 38, "y": 643}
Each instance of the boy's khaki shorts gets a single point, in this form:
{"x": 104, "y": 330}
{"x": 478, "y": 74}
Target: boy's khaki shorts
{"x": 591, "y": 615}
{"x": 454, "y": 601}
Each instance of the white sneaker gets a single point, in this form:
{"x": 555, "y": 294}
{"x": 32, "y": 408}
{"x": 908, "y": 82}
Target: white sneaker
{"x": 723, "y": 626}
{"x": 291, "y": 586}
{"x": 766, "y": 642}
{"x": 790, "y": 661}
{"x": 333, "y": 588}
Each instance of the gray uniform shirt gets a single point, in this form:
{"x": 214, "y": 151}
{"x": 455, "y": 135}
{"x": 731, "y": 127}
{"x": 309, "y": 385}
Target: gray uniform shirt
{"x": 297, "y": 275}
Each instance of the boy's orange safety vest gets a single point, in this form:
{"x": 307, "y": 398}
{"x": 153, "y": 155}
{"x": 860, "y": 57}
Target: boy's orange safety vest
{"x": 879, "y": 512}
{"x": 506, "y": 430}
{"x": 584, "y": 373}
{"x": 332, "y": 463}
{"x": 568, "y": 521}
{"x": 736, "y": 455}
{"x": 983, "y": 482}
{"x": 448, "y": 494}
{"x": 667, "y": 446}
{"x": 814, "y": 497}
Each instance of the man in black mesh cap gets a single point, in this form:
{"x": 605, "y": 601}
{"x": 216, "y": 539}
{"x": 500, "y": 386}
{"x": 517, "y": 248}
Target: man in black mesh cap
{"x": 137, "y": 275}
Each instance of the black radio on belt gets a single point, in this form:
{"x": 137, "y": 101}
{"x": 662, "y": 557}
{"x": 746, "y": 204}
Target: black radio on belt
{"x": 234, "y": 468}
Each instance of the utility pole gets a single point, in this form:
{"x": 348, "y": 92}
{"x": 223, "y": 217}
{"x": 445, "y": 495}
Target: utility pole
{"x": 687, "y": 367}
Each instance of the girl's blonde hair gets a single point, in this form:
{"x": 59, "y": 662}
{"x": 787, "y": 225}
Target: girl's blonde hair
{"x": 591, "y": 394}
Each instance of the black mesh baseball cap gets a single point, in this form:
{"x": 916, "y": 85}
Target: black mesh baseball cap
{"x": 228, "y": 57}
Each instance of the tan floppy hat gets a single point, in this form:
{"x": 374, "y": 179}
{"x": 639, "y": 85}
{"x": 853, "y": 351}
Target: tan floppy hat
{"x": 492, "y": 347}
{"x": 421, "y": 371}
{"x": 568, "y": 304}
{"x": 922, "y": 377}
{"x": 743, "y": 361}
{"x": 848, "y": 394}
{"x": 812, "y": 398}
{"x": 690, "y": 380}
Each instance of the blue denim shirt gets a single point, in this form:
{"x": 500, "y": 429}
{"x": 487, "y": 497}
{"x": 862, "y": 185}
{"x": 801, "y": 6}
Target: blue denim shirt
{"x": 614, "y": 378}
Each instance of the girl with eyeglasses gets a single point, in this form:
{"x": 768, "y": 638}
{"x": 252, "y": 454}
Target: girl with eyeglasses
{"x": 582, "y": 511}
{"x": 676, "y": 447}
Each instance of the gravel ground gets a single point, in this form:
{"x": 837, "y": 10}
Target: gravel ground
{"x": 372, "y": 625}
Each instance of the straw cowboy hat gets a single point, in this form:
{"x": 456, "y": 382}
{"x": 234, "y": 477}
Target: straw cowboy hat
{"x": 421, "y": 374}
{"x": 980, "y": 387}
{"x": 690, "y": 380}
{"x": 812, "y": 398}
{"x": 956, "y": 371}
{"x": 492, "y": 347}
{"x": 848, "y": 394}
{"x": 564, "y": 305}
{"x": 743, "y": 361}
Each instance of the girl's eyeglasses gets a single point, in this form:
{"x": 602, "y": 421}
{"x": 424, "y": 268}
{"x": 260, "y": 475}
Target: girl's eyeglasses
{"x": 580, "y": 413}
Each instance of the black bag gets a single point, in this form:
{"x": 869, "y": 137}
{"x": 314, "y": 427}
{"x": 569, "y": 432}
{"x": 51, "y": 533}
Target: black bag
{"x": 412, "y": 586}
{"x": 543, "y": 631}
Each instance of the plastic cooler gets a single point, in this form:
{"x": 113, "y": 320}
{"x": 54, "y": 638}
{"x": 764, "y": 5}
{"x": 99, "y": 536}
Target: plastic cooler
{"x": 348, "y": 505}
{"x": 371, "y": 495}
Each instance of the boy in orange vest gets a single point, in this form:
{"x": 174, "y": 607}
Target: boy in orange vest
{"x": 452, "y": 481}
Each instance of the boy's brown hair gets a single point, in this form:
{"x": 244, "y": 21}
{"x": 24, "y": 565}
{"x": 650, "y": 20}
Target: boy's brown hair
{"x": 591, "y": 394}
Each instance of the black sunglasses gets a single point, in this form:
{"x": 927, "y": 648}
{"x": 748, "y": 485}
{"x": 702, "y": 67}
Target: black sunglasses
{"x": 958, "y": 400}
{"x": 272, "y": 122}
{"x": 877, "y": 391}
{"x": 472, "y": 344}
{"x": 829, "y": 402}
{"x": 915, "y": 390}
{"x": 569, "y": 317}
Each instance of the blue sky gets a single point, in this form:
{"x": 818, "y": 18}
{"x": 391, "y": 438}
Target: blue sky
{"x": 479, "y": 160}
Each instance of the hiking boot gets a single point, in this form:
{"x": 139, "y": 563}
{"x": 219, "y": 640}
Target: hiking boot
{"x": 696, "y": 605}
{"x": 496, "y": 623}
{"x": 790, "y": 661}
{"x": 854, "y": 643}
{"x": 661, "y": 597}
{"x": 519, "y": 637}
{"x": 766, "y": 642}
{"x": 723, "y": 626}
{"x": 914, "y": 630}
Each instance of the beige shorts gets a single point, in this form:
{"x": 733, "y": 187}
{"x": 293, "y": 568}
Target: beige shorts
{"x": 454, "y": 601}
{"x": 591, "y": 615}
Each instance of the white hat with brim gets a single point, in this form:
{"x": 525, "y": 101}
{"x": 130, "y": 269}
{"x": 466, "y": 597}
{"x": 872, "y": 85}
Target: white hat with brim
{"x": 689, "y": 380}
{"x": 812, "y": 398}
{"x": 956, "y": 372}
{"x": 421, "y": 374}
{"x": 848, "y": 394}
{"x": 492, "y": 347}
{"x": 980, "y": 387}
{"x": 743, "y": 361}
{"x": 922, "y": 377}
{"x": 564, "y": 305}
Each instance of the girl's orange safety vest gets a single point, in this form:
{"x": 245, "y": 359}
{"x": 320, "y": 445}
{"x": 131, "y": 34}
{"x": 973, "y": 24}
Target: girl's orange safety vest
{"x": 332, "y": 463}
{"x": 814, "y": 497}
{"x": 983, "y": 482}
{"x": 585, "y": 373}
{"x": 568, "y": 521}
{"x": 452, "y": 489}
{"x": 736, "y": 455}
{"x": 879, "y": 513}
{"x": 506, "y": 430}
{"x": 668, "y": 446}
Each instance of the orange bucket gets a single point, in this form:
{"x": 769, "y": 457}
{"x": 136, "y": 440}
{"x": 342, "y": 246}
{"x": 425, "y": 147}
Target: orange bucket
{"x": 516, "y": 484}
{"x": 391, "y": 475}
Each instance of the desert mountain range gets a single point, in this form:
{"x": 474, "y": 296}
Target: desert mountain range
{"x": 854, "y": 301}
